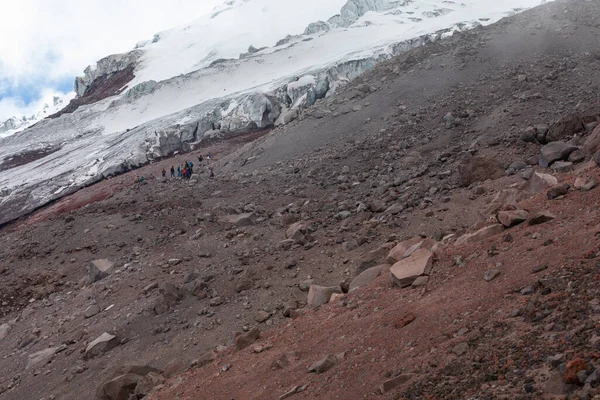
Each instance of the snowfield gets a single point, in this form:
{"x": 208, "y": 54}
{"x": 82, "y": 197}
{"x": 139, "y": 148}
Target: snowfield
{"x": 249, "y": 64}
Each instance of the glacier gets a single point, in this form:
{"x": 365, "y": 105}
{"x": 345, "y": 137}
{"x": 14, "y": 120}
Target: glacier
{"x": 249, "y": 64}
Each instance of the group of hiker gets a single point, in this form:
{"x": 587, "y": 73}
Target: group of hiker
{"x": 186, "y": 170}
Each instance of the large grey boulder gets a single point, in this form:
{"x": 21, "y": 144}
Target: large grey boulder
{"x": 555, "y": 151}
{"x": 319, "y": 295}
{"x": 406, "y": 271}
{"x": 102, "y": 344}
{"x": 98, "y": 269}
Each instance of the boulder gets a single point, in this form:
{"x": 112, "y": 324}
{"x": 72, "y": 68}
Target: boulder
{"x": 394, "y": 382}
{"x": 581, "y": 183}
{"x": 367, "y": 276}
{"x": 540, "y": 218}
{"x": 324, "y": 364}
{"x": 41, "y": 357}
{"x": 243, "y": 340}
{"x": 405, "y": 271}
{"x": 481, "y": 234}
{"x": 102, "y": 344}
{"x": 169, "y": 296}
{"x": 205, "y": 359}
{"x": 147, "y": 384}
{"x": 562, "y": 166}
{"x": 491, "y": 275}
{"x": 512, "y": 218}
{"x": 174, "y": 367}
{"x": 565, "y": 127}
{"x": 557, "y": 191}
{"x": 238, "y": 220}
{"x": 592, "y": 142}
{"x": 319, "y": 295}
{"x": 377, "y": 206}
{"x": 479, "y": 169}
{"x": 424, "y": 244}
{"x": 540, "y": 182}
{"x": 244, "y": 282}
{"x": 4, "y": 330}
{"x": 99, "y": 269}
{"x": 555, "y": 151}
{"x": 118, "y": 388}
{"x": 398, "y": 251}
{"x": 91, "y": 311}
{"x": 296, "y": 232}
{"x": 577, "y": 156}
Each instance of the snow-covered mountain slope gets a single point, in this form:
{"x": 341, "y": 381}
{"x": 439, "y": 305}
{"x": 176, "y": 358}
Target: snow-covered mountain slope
{"x": 17, "y": 124}
{"x": 250, "y": 64}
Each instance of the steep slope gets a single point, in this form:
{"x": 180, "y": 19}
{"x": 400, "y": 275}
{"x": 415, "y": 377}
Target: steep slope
{"x": 191, "y": 85}
{"x": 320, "y": 201}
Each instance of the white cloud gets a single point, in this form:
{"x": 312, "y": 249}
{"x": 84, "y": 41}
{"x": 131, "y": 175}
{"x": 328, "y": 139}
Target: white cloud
{"x": 46, "y": 42}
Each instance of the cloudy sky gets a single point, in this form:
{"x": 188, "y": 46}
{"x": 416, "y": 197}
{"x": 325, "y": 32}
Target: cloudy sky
{"x": 46, "y": 43}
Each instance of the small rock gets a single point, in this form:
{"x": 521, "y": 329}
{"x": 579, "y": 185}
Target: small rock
{"x": 4, "y": 330}
{"x": 540, "y": 218}
{"x": 204, "y": 359}
{"x": 261, "y": 316}
{"x": 539, "y": 268}
{"x": 394, "y": 382}
{"x": 557, "y": 190}
{"x": 512, "y": 217}
{"x": 243, "y": 340}
{"x": 35, "y": 360}
{"x": 460, "y": 348}
{"x": 306, "y": 284}
{"x": 491, "y": 275}
{"x": 174, "y": 261}
{"x": 319, "y": 295}
{"x": 527, "y": 290}
{"x": 99, "y": 269}
{"x": 404, "y": 320}
{"x": 91, "y": 311}
{"x": 323, "y": 364}
{"x": 562, "y": 166}
{"x": 584, "y": 184}
{"x": 102, "y": 344}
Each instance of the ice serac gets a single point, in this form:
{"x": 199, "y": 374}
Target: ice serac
{"x": 106, "y": 66}
{"x": 189, "y": 85}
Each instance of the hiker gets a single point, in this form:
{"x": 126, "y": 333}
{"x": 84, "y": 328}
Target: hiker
{"x": 200, "y": 158}
{"x": 172, "y": 171}
{"x": 208, "y": 156}
{"x": 212, "y": 173}
{"x": 164, "y": 173}
{"x": 179, "y": 171}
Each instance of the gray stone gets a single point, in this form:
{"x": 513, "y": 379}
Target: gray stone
{"x": 319, "y": 295}
{"x": 4, "y": 331}
{"x": 420, "y": 281}
{"x": 261, "y": 316}
{"x": 91, "y": 311}
{"x": 527, "y": 290}
{"x": 406, "y": 271}
{"x": 480, "y": 234}
{"x": 540, "y": 218}
{"x": 562, "y": 166}
{"x": 555, "y": 151}
{"x": 324, "y": 364}
{"x": 102, "y": 344}
{"x": 491, "y": 275}
{"x": 460, "y": 348}
{"x": 585, "y": 184}
{"x": 394, "y": 382}
{"x": 306, "y": 284}
{"x": 35, "y": 360}
{"x": 243, "y": 340}
{"x": 99, "y": 269}
{"x": 367, "y": 276}
{"x": 238, "y": 220}
{"x": 512, "y": 217}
